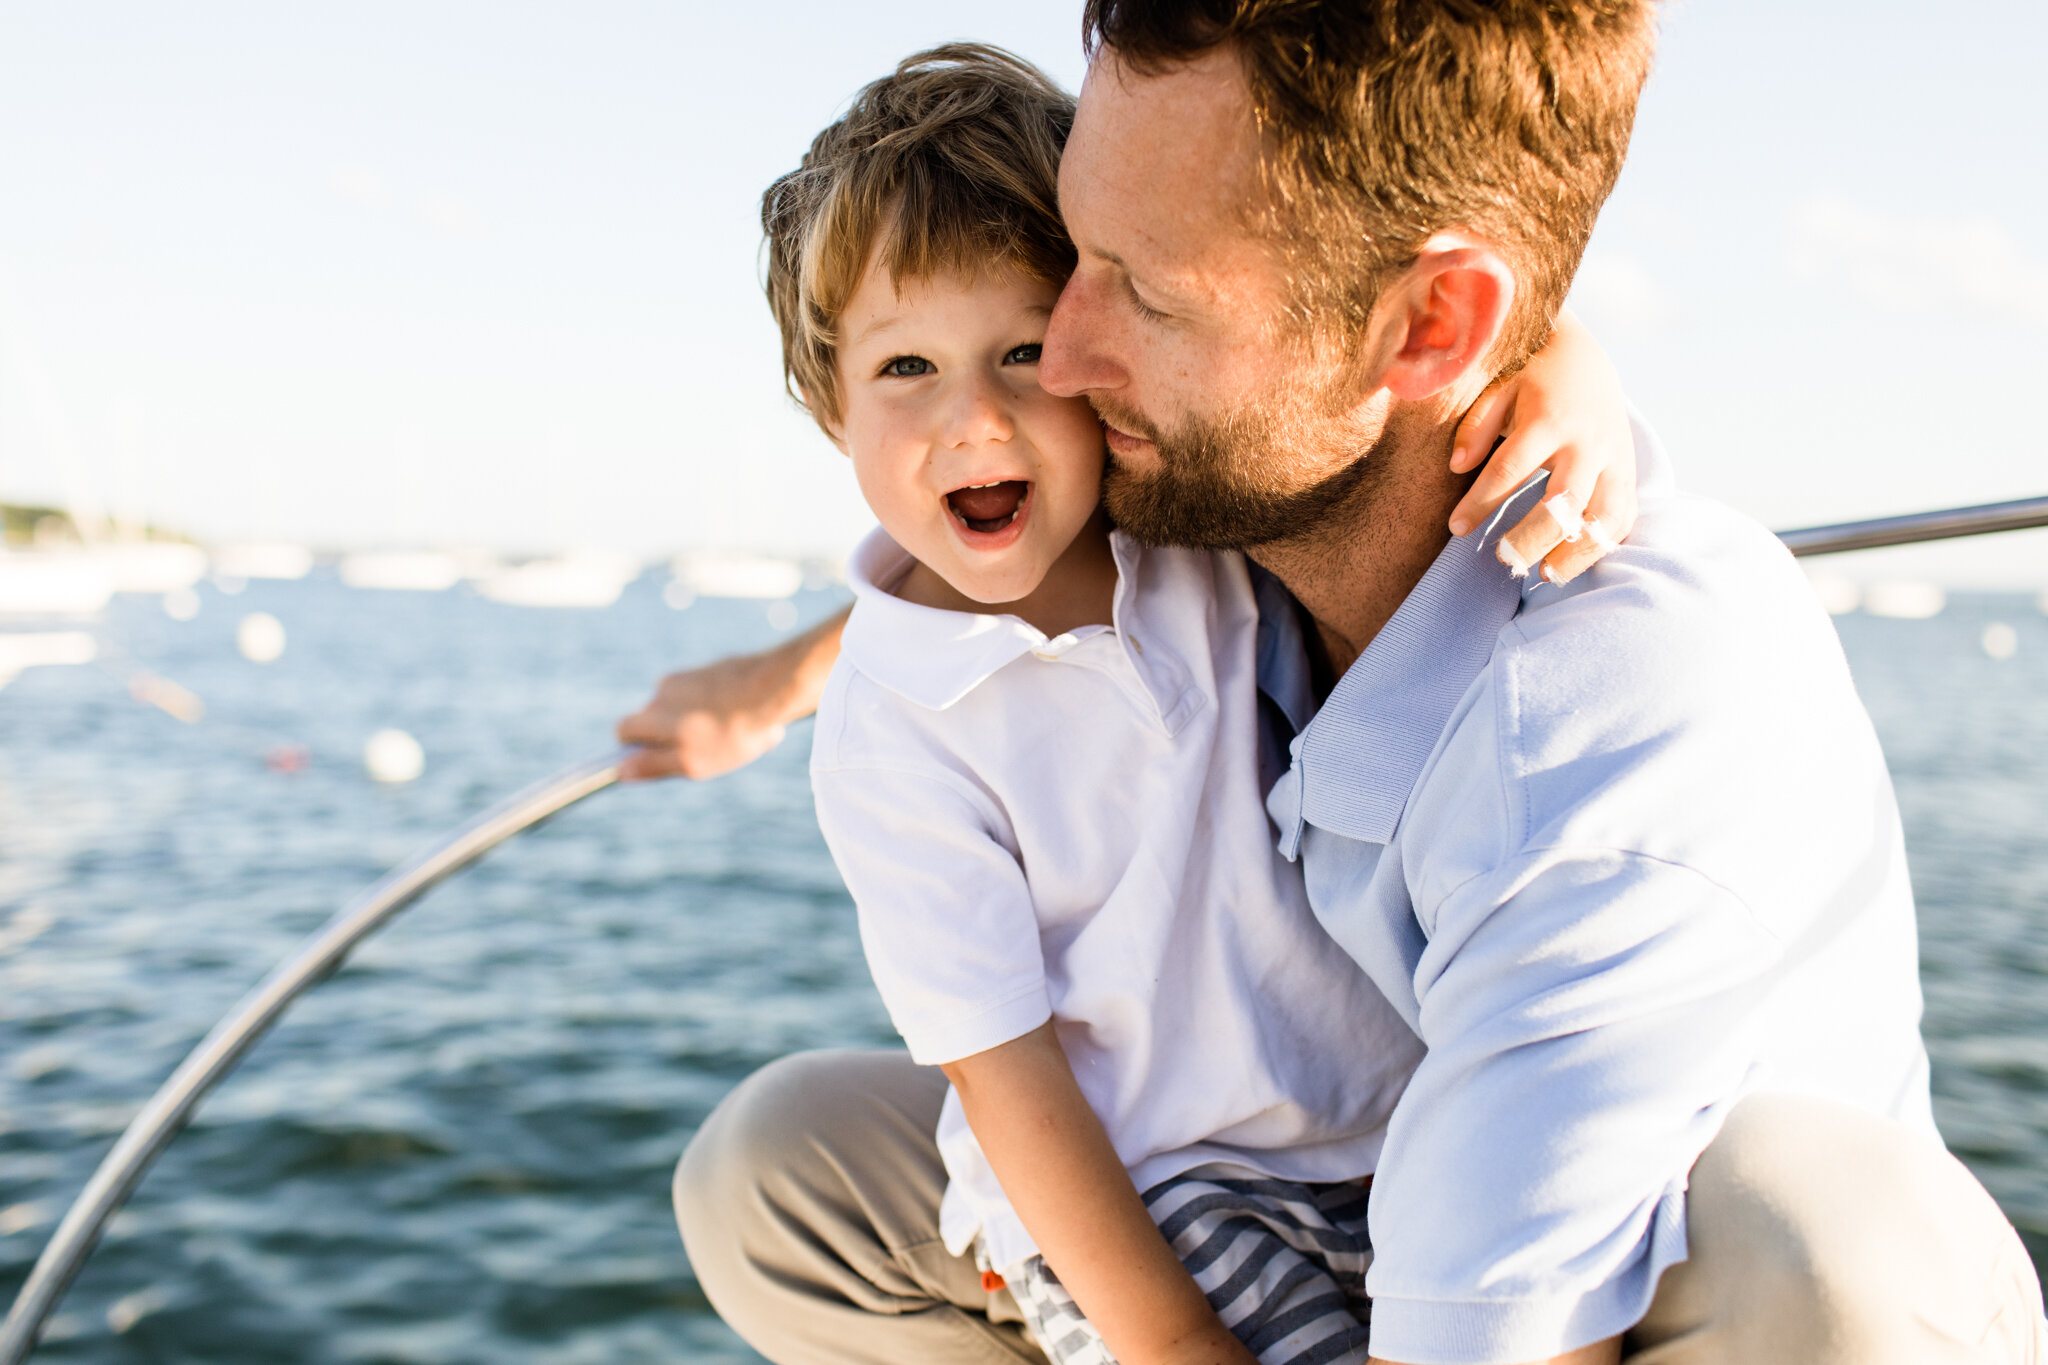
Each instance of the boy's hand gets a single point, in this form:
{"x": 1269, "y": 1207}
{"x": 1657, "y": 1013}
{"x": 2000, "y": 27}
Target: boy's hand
{"x": 711, "y": 720}
{"x": 1563, "y": 410}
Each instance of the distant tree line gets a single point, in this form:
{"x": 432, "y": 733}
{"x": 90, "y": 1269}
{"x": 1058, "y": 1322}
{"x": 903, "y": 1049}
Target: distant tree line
{"x": 23, "y": 524}
{"x": 27, "y": 524}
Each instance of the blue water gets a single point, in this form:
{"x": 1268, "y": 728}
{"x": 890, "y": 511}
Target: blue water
{"x": 458, "y": 1150}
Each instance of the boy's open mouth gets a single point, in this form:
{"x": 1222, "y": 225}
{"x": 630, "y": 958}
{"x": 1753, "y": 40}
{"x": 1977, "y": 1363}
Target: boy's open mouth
{"x": 988, "y": 507}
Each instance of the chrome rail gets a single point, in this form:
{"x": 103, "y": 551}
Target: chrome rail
{"x": 1916, "y": 527}
{"x": 211, "y": 1061}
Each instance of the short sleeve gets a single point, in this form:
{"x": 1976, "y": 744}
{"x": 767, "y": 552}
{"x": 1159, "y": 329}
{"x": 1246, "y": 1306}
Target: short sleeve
{"x": 1589, "y": 1014}
{"x": 946, "y": 919}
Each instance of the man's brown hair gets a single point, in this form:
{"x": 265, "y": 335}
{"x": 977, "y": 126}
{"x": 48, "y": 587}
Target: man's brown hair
{"x": 1385, "y": 121}
{"x": 950, "y": 163}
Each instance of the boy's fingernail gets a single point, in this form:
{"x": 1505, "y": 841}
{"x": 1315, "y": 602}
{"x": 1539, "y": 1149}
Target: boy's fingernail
{"x": 1459, "y": 526}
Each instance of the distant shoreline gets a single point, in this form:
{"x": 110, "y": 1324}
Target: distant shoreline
{"x": 27, "y": 525}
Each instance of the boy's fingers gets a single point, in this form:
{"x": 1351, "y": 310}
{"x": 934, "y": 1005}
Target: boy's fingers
{"x": 1610, "y": 516}
{"x": 1509, "y": 467}
{"x": 1528, "y": 541}
{"x": 1557, "y": 519}
{"x": 1481, "y": 427}
{"x": 647, "y": 764}
{"x": 643, "y": 727}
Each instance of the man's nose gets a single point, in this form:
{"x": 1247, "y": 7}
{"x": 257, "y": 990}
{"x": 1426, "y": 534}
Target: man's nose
{"x": 1073, "y": 359}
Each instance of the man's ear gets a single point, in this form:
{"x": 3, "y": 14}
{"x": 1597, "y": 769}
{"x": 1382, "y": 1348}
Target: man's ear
{"x": 1438, "y": 322}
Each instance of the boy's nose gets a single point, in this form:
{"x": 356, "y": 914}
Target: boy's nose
{"x": 977, "y": 415}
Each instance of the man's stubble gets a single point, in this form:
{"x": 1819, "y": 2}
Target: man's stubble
{"x": 1263, "y": 475}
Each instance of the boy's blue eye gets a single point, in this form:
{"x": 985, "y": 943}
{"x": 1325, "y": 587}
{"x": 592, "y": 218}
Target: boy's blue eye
{"x": 907, "y": 366}
{"x": 1026, "y": 354}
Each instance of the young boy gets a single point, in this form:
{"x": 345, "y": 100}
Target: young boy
{"x": 1037, "y": 766}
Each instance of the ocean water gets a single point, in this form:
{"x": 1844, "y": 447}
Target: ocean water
{"x": 458, "y": 1149}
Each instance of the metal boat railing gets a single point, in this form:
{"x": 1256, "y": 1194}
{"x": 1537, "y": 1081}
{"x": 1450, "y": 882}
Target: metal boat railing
{"x": 210, "y": 1062}
{"x": 217, "y": 1053}
{"x": 2018, "y": 515}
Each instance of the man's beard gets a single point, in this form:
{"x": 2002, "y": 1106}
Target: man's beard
{"x": 1208, "y": 491}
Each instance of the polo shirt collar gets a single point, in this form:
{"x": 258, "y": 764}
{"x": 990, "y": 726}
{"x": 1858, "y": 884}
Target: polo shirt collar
{"x": 927, "y": 656}
{"x": 1282, "y": 657}
{"x": 1359, "y": 757}
{"x": 933, "y": 657}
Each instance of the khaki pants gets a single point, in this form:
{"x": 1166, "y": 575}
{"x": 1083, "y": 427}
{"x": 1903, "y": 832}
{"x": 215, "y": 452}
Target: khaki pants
{"x": 809, "y": 1205}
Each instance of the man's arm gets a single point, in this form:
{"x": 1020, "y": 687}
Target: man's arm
{"x": 1075, "y": 1198}
{"x": 710, "y": 720}
{"x": 1588, "y": 1013}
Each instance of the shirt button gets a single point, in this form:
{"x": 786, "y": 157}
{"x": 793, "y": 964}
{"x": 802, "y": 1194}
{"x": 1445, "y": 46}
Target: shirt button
{"x": 1049, "y": 658}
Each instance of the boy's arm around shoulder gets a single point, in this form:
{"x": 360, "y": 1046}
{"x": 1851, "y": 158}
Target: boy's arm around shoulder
{"x": 1065, "y": 1181}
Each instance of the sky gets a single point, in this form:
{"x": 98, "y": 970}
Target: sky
{"x": 487, "y": 273}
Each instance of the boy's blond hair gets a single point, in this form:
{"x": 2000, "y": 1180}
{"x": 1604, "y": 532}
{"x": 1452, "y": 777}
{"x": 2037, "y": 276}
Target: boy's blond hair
{"x": 950, "y": 164}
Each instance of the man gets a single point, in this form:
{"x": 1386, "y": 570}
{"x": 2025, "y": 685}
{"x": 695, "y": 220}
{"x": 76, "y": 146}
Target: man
{"x": 1623, "y": 853}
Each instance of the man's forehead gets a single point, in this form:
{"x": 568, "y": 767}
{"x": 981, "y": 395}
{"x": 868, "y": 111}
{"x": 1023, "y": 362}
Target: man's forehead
{"x": 1164, "y": 154}
{"x": 1214, "y": 78}
{"x": 1188, "y": 116}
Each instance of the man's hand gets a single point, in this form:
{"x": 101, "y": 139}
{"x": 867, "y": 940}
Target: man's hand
{"x": 710, "y": 720}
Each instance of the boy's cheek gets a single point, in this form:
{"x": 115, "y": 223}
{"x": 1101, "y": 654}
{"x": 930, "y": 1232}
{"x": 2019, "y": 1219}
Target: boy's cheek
{"x": 884, "y": 495}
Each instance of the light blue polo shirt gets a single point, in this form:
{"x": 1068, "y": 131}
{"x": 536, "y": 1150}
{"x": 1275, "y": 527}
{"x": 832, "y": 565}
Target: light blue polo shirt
{"x": 1620, "y": 853}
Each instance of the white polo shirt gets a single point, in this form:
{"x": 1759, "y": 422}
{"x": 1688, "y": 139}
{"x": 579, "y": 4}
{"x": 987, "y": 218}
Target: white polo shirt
{"x": 1074, "y": 829}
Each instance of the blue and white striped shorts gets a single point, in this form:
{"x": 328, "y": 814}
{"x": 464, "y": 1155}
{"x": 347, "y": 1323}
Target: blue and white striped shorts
{"x": 1283, "y": 1265}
